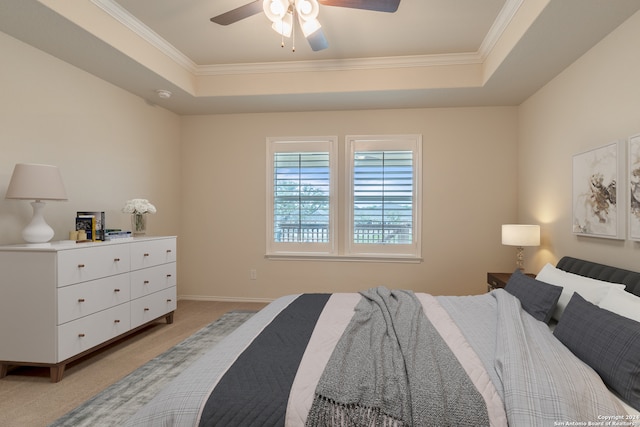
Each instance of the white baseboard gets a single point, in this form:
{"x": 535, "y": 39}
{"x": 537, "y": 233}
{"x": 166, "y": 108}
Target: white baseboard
{"x": 223, "y": 299}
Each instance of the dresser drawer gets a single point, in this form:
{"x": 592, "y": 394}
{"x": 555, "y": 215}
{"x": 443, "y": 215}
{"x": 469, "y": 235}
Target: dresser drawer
{"x": 154, "y": 279}
{"x": 152, "y": 306}
{"x": 90, "y": 263}
{"x": 86, "y": 332}
{"x": 86, "y": 298}
{"x": 152, "y": 252}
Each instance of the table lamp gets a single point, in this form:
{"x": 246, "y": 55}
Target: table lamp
{"x": 36, "y": 182}
{"x": 520, "y": 235}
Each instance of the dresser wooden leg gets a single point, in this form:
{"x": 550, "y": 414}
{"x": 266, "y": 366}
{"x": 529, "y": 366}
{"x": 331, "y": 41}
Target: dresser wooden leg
{"x": 169, "y": 318}
{"x": 56, "y": 372}
{"x": 3, "y": 370}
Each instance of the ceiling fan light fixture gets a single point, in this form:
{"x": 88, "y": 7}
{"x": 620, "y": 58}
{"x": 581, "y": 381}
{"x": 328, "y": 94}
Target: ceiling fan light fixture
{"x": 309, "y": 27}
{"x": 283, "y": 26}
{"x": 280, "y": 13}
{"x": 275, "y": 9}
{"x": 307, "y": 9}
{"x": 304, "y": 7}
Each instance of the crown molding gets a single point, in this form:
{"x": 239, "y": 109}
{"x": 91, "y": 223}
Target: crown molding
{"x": 340, "y": 64}
{"x": 136, "y": 26}
{"x": 501, "y": 23}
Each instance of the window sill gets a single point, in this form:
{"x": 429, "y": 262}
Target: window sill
{"x": 345, "y": 258}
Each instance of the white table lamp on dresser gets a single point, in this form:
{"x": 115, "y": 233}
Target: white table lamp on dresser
{"x": 32, "y": 181}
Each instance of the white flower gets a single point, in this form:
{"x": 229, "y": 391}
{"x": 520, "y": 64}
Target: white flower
{"x": 138, "y": 206}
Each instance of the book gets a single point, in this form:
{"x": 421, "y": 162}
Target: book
{"x": 116, "y": 234}
{"x": 119, "y": 238}
{"x": 100, "y": 224}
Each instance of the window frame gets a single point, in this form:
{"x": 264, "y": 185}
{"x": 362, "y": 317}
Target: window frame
{"x": 359, "y": 143}
{"x": 341, "y": 180}
{"x": 327, "y": 144}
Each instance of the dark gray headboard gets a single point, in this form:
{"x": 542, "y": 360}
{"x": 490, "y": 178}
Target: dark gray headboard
{"x": 602, "y": 272}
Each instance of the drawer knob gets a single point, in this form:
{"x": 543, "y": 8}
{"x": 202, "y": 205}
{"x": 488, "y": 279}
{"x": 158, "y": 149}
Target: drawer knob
{"x": 169, "y": 251}
{"x": 169, "y": 300}
{"x": 116, "y": 321}
{"x": 168, "y": 275}
{"x": 80, "y": 265}
{"x": 80, "y": 335}
{"x": 146, "y": 282}
{"x": 145, "y": 254}
{"x": 146, "y": 309}
{"x": 80, "y": 299}
{"x": 116, "y": 259}
{"x": 116, "y": 290}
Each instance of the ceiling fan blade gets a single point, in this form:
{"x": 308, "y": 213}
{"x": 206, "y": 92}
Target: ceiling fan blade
{"x": 389, "y": 6}
{"x": 238, "y": 13}
{"x": 317, "y": 40}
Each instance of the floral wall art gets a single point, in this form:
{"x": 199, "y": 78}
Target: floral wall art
{"x": 634, "y": 187}
{"x": 598, "y": 205}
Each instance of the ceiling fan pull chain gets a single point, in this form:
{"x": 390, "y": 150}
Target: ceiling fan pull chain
{"x": 282, "y": 32}
{"x": 293, "y": 29}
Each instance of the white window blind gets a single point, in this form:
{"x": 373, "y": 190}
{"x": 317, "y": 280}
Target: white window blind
{"x": 301, "y": 188}
{"x": 383, "y": 175}
{"x": 383, "y": 197}
{"x": 301, "y": 210}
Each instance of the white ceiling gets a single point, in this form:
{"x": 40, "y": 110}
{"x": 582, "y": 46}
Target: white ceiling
{"x": 417, "y": 28}
{"x": 227, "y": 69}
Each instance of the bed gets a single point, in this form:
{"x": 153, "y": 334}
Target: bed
{"x": 560, "y": 349}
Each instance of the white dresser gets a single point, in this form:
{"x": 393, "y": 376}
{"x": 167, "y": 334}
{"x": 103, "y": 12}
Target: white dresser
{"x": 60, "y": 302}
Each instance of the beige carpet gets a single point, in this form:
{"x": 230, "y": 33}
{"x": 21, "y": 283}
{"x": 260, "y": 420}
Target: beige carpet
{"x": 27, "y": 398}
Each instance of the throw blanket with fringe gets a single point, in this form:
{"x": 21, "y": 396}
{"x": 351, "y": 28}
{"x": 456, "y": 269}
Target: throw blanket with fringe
{"x": 392, "y": 368}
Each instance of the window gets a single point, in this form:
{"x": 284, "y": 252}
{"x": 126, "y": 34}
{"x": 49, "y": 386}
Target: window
{"x": 301, "y": 176}
{"x": 383, "y": 203}
{"x": 380, "y": 212}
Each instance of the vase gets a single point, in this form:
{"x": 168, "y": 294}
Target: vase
{"x": 138, "y": 224}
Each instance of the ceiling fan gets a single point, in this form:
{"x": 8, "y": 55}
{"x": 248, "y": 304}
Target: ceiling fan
{"x": 282, "y": 12}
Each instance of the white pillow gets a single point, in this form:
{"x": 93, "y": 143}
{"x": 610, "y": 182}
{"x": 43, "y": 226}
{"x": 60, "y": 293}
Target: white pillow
{"x": 590, "y": 289}
{"x": 623, "y": 303}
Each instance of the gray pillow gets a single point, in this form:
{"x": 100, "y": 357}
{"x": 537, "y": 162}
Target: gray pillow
{"x": 537, "y": 298}
{"x": 607, "y": 342}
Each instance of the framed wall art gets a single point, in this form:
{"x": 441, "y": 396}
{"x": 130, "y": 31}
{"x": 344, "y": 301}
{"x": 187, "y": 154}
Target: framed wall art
{"x": 633, "y": 176}
{"x": 599, "y": 206}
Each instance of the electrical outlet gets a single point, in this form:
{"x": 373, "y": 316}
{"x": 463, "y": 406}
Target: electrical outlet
{"x": 253, "y": 274}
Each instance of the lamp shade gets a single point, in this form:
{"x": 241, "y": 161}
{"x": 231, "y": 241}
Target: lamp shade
{"x": 520, "y": 235}
{"x": 32, "y": 181}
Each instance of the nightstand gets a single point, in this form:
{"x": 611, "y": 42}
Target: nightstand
{"x": 499, "y": 280}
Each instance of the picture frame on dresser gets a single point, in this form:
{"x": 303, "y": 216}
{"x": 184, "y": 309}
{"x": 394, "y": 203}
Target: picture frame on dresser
{"x": 85, "y": 296}
{"x": 633, "y": 181}
{"x": 100, "y": 222}
{"x": 598, "y": 186}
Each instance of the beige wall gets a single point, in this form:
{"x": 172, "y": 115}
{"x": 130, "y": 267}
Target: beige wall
{"x": 206, "y": 175}
{"x": 482, "y": 167}
{"x": 110, "y": 145}
{"x": 469, "y": 190}
{"x": 593, "y": 102}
